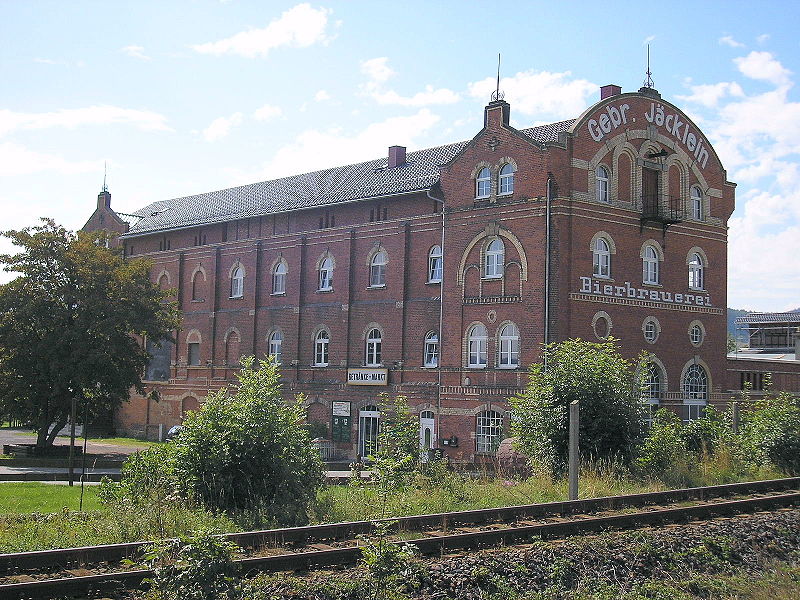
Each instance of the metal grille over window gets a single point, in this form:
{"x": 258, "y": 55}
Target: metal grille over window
{"x": 489, "y": 431}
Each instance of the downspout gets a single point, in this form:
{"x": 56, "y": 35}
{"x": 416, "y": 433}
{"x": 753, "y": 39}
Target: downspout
{"x": 547, "y": 270}
{"x": 441, "y": 332}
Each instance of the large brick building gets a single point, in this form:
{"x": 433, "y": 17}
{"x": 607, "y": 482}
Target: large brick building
{"x": 438, "y": 274}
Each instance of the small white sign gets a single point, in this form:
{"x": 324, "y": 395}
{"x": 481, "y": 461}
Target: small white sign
{"x": 341, "y": 409}
{"x": 367, "y": 376}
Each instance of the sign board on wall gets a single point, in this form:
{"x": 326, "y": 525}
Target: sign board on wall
{"x": 367, "y": 376}
{"x": 341, "y": 409}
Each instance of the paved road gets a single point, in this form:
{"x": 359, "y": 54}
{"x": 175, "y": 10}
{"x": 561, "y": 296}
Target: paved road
{"x": 20, "y": 436}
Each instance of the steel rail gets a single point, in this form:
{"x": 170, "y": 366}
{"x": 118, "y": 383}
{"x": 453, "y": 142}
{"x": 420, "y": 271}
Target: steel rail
{"x": 436, "y": 544}
{"x": 110, "y": 553}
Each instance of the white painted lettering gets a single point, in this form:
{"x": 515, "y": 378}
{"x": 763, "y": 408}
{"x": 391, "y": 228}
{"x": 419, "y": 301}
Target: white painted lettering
{"x": 605, "y": 124}
{"x": 594, "y": 130}
{"x": 691, "y": 142}
{"x": 608, "y": 290}
{"x": 649, "y": 116}
{"x": 586, "y": 285}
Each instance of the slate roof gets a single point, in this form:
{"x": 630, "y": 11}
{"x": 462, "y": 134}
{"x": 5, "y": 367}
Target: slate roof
{"x": 330, "y": 186}
{"x": 787, "y": 317}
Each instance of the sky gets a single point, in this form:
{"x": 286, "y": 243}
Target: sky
{"x": 183, "y": 97}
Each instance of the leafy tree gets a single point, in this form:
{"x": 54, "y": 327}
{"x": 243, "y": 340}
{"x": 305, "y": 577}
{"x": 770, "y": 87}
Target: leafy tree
{"x": 606, "y": 386}
{"x": 68, "y": 323}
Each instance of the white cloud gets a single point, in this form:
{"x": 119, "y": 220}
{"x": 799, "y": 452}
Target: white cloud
{"x": 728, "y": 40}
{"x": 267, "y": 112}
{"x": 322, "y": 96}
{"x": 17, "y": 160}
{"x": 49, "y": 61}
{"x": 221, "y": 127}
{"x": 764, "y": 67}
{"x": 298, "y": 27}
{"x": 541, "y": 93}
{"x": 378, "y": 72}
{"x": 377, "y": 69}
{"x": 763, "y": 38}
{"x": 76, "y": 117}
{"x": 135, "y": 52}
{"x": 710, "y": 95}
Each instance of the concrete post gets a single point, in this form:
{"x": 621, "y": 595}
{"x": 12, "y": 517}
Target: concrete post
{"x": 574, "y": 421}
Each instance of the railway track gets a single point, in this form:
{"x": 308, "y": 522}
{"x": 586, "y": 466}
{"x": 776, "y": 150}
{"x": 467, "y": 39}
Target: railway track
{"x": 66, "y": 572}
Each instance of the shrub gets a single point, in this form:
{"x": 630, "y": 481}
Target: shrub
{"x": 771, "y": 432}
{"x": 603, "y": 382}
{"x": 663, "y": 454}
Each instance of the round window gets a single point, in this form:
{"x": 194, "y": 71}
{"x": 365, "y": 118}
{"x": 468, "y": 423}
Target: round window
{"x": 602, "y": 327}
{"x": 696, "y": 334}
{"x": 651, "y": 330}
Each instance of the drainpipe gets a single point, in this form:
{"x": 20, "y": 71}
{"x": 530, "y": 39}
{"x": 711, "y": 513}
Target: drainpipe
{"x": 547, "y": 269}
{"x": 441, "y": 332}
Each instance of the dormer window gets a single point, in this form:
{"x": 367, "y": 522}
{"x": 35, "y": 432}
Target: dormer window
{"x": 506, "y": 180}
{"x": 483, "y": 183}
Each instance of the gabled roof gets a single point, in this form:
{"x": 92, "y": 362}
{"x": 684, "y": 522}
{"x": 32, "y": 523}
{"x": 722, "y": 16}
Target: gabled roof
{"x": 330, "y": 186}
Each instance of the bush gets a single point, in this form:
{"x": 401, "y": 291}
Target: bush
{"x": 663, "y": 454}
{"x": 771, "y": 432}
{"x": 603, "y": 382}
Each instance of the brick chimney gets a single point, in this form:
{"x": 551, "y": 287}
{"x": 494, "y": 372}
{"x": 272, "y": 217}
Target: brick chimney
{"x": 104, "y": 199}
{"x": 397, "y": 156}
{"x": 497, "y": 113}
{"x": 609, "y": 90}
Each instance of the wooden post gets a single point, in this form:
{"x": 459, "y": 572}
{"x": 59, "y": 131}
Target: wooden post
{"x": 574, "y": 420}
{"x": 73, "y": 409}
{"x": 735, "y": 417}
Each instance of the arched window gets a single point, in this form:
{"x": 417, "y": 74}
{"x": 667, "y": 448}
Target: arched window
{"x": 477, "y": 346}
{"x": 695, "y": 384}
{"x": 432, "y": 349}
{"x": 650, "y": 265}
{"x": 601, "y": 258}
{"x": 506, "y": 180}
{"x": 495, "y": 257}
{"x": 696, "y": 275}
{"x": 326, "y": 274}
{"x": 321, "y": 349}
{"x": 488, "y": 431}
{"x": 372, "y": 355}
{"x": 196, "y": 284}
{"x": 237, "y": 283}
{"x": 193, "y": 348}
{"x": 163, "y": 282}
{"x": 435, "y": 265}
{"x": 483, "y": 183}
{"x": 652, "y": 387}
{"x": 279, "y": 278}
{"x": 232, "y": 344}
{"x": 377, "y": 270}
{"x": 697, "y": 203}
{"x": 509, "y": 346}
{"x": 275, "y": 345}
{"x": 602, "y": 184}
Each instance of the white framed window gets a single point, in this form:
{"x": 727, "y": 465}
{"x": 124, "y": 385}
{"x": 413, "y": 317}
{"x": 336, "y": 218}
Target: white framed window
{"x": 650, "y": 272}
{"x": 488, "y": 431}
{"x": 326, "y": 274}
{"x": 509, "y": 346}
{"x": 652, "y": 388}
{"x": 372, "y": 354}
{"x": 601, "y": 184}
{"x": 279, "y": 278}
{"x": 601, "y": 325}
{"x": 696, "y": 334}
{"x": 435, "y": 265}
{"x": 377, "y": 270}
{"x": 483, "y": 183}
{"x": 237, "y": 283}
{"x": 321, "y": 349}
{"x": 601, "y": 258}
{"x": 477, "y": 343}
{"x": 495, "y": 257}
{"x": 696, "y": 200}
{"x": 695, "y": 384}
{"x": 275, "y": 345}
{"x": 651, "y": 329}
{"x": 432, "y": 349}
{"x": 696, "y": 274}
{"x": 506, "y": 179}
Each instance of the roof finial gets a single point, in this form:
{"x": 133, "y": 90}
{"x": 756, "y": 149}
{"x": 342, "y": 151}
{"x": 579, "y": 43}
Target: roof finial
{"x": 648, "y": 82}
{"x": 105, "y": 172}
{"x": 497, "y": 94}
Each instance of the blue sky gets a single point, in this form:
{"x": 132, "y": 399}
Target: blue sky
{"x": 187, "y": 97}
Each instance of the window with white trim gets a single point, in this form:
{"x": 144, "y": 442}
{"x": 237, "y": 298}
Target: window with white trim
{"x": 652, "y": 387}
{"x": 488, "y": 431}
{"x": 279, "y": 278}
{"x": 506, "y": 180}
{"x": 495, "y": 257}
{"x": 696, "y": 274}
{"x": 601, "y": 258}
{"x": 650, "y": 265}
{"x": 651, "y": 329}
{"x": 509, "y": 346}
{"x": 377, "y": 270}
{"x": 372, "y": 354}
{"x": 237, "y": 283}
{"x": 275, "y": 345}
{"x": 432, "y": 349}
{"x": 477, "y": 344}
{"x": 435, "y": 265}
{"x": 483, "y": 183}
{"x": 696, "y": 334}
{"x": 696, "y": 199}
{"x": 602, "y": 184}
{"x": 326, "y": 274}
{"x": 321, "y": 349}
{"x": 695, "y": 384}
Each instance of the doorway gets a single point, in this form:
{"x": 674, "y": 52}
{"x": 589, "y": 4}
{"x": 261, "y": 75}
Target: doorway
{"x": 368, "y": 424}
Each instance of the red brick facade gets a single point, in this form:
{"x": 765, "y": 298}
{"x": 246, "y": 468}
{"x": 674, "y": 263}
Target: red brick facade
{"x": 651, "y": 156}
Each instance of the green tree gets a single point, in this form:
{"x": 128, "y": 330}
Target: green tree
{"x": 607, "y": 388}
{"x": 68, "y": 325}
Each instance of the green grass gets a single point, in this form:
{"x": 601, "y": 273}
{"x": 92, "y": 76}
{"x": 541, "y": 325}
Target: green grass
{"x": 123, "y": 441}
{"x": 29, "y": 497}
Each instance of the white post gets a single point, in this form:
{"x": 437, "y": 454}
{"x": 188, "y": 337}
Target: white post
{"x": 574, "y": 420}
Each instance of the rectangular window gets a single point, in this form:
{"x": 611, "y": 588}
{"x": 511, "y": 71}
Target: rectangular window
{"x": 194, "y": 354}
{"x": 340, "y": 429}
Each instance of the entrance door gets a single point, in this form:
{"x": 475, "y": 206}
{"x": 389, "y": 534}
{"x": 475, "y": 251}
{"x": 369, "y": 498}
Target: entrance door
{"x": 427, "y": 440}
{"x": 368, "y": 423}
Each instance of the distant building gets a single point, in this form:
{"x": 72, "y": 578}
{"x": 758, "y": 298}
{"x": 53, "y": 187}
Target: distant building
{"x": 105, "y": 219}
